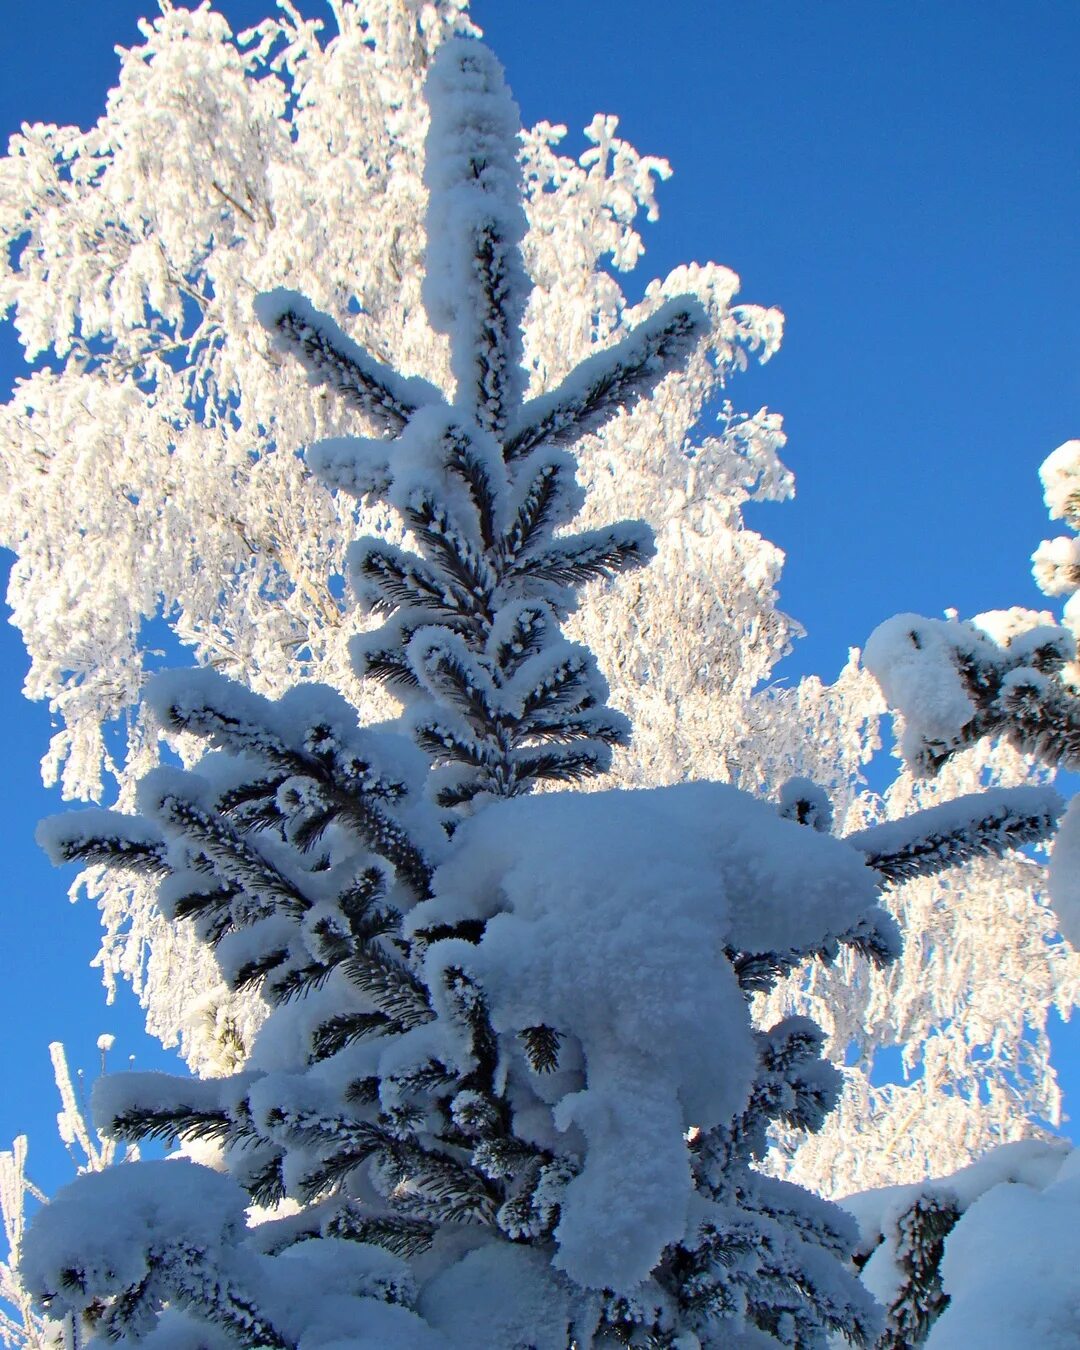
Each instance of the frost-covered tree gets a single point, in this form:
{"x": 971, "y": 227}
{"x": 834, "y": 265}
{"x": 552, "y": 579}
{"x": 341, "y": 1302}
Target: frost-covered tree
{"x": 228, "y": 166}
{"x": 508, "y": 1092}
{"x": 21, "y": 1327}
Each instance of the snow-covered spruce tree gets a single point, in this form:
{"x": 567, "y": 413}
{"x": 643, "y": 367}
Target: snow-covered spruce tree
{"x": 508, "y": 1093}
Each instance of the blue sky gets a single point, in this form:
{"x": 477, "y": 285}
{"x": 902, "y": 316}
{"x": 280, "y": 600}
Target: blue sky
{"x": 901, "y": 179}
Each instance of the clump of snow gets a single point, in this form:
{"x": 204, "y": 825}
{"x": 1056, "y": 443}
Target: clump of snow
{"x": 911, "y": 658}
{"x": 609, "y": 916}
{"x": 271, "y": 307}
{"x": 500, "y": 1297}
{"x": 62, "y": 836}
{"x": 104, "y": 1224}
{"x": 1017, "y": 627}
{"x": 1060, "y": 474}
{"x": 1010, "y": 1268}
{"x": 325, "y": 1291}
{"x": 1031, "y": 1164}
{"x": 583, "y": 402}
{"x": 356, "y": 465}
{"x": 991, "y": 821}
{"x": 804, "y": 802}
{"x": 1055, "y": 564}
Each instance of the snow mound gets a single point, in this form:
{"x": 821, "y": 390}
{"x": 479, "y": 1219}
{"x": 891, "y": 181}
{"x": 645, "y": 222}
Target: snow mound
{"x": 612, "y": 914}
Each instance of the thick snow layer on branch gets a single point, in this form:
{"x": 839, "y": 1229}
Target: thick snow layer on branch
{"x": 912, "y": 659}
{"x": 896, "y": 1248}
{"x": 1060, "y": 474}
{"x": 104, "y": 1224}
{"x": 613, "y": 380}
{"x": 117, "y": 1094}
{"x": 977, "y": 824}
{"x": 1010, "y": 1268}
{"x": 353, "y": 464}
{"x": 327, "y": 1293}
{"x": 64, "y": 838}
{"x": 1055, "y": 565}
{"x": 234, "y": 718}
{"x": 608, "y": 919}
{"x": 500, "y": 1296}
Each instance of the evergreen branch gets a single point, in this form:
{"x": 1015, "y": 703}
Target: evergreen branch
{"x": 104, "y": 838}
{"x": 447, "y": 745}
{"x": 333, "y": 359}
{"x": 362, "y": 1092}
{"x": 496, "y": 341}
{"x": 1042, "y": 718}
{"x": 874, "y": 937}
{"x": 201, "y": 1286}
{"x": 168, "y": 1123}
{"x": 608, "y": 727}
{"x": 921, "y": 1233}
{"x": 391, "y": 667}
{"x": 461, "y": 792}
{"x": 211, "y": 909}
{"x": 605, "y": 384}
{"x": 449, "y": 546}
{"x": 588, "y": 557}
{"x": 256, "y": 970}
{"x": 537, "y": 514}
{"x": 461, "y": 458}
{"x": 424, "y": 1078}
{"x": 505, "y": 1158}
{"x": 390, "y": 985}
{"x": 261, "y": 1173}
{"x": 452, "y": 1191}
{"x": 404, "y": 1236}
{"x": 530, "y": 629}
{"x": 342, "y": 1030}
{"x": 254, "y": 791}
{"x": 387, "y": 579}
{"x": 981, "y": 824}
{"x": 361, "y": 895}
{"x": 296, "y": 982}
{"x": 517, "y": 1216}
{"x": 233, "y": 858}
{"x": 384, "y": 836}
{"x": 304, "y": 831}
{"x": 455, "y": 677}
{"x": 542, "y": 1048}
{"x": 758, "y": 972}
{"x": 560, "y": 765}
{"x": 132, "y": 1312}
{"x": 203, "y": 703}
{"x": 566, "y": 686}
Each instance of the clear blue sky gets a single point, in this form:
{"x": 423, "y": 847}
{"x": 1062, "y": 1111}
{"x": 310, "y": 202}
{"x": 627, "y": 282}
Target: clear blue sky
{"x": 901, "y": 179}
